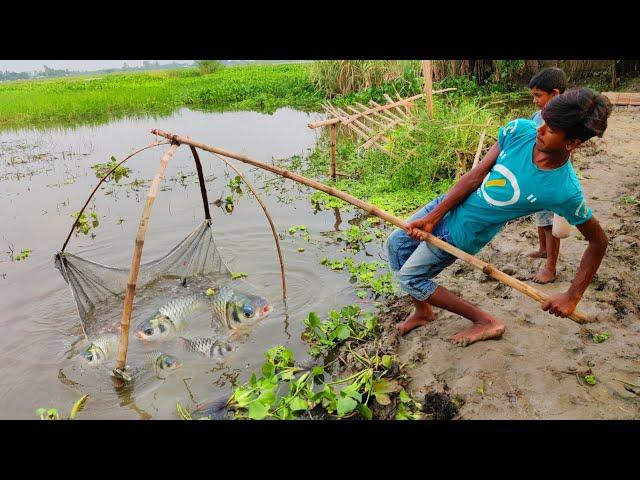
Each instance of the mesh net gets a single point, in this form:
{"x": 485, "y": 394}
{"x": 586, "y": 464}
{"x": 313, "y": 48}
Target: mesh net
{"x": 99, "y": 289}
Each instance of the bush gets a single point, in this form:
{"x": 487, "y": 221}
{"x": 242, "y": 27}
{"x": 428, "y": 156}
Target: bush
{"x": 208, "y": 66}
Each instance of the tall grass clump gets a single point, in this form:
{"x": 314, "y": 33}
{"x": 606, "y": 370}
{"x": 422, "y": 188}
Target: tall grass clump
{"x": 208, "y": 66}
{"x": 340, "y": 77}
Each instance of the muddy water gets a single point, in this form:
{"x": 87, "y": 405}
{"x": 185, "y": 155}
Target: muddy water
{"x": 46, "y": 176}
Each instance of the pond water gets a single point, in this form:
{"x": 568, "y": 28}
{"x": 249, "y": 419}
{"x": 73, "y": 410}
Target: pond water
{"x": 45, "y": 176}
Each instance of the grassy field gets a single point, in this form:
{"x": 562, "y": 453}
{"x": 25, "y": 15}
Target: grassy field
{"x": 97, "y": 99}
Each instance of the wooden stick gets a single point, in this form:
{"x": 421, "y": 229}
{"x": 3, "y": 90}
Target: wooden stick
{"x": 397, "y": 109}
{"x": 476, "y": 159}
{"x": 407, "y": 106}
{"x": 332, "y": 150}
{"x": 154, "y": 144}
{"x": 266, "y": 212}
{"x": 428, "y": 85}
{"x": 137, "y": 254}
{"x": 386, "y": 112}
{"x": 368, "y": 117}
{"x": 487, "y": 268}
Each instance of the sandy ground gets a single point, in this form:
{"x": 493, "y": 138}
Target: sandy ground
{"x": 536, "y": 371}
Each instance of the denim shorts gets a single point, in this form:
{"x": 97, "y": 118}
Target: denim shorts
{"x": 544, "y": 218}
{"x": 415, "y": 262}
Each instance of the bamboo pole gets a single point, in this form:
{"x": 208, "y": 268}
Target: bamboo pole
{"x": 332, "y": 150}
{"x": 154, "y": 144}
{"x": 137, "y": 255}
{"x": 428, "y": 85}
{"x": 397, "y": 109}
{"x": 479, "y": 150}
{"x": 385, "y": 112}
{"x": 487, "y": 268}
{"x": 266, "y": 212}
{"x": 407, "y": 106}
{"x": 369, "y": 117}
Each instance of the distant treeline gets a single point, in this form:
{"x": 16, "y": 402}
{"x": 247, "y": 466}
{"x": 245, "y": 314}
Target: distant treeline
{"x": 48, "y": 72}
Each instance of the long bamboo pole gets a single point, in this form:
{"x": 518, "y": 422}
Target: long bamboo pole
{"x": 135, "y": 262}
{"x": 266, "y": 212}
{"x": 487, "y": 268}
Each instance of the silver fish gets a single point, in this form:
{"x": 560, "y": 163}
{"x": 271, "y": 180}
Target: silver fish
{"x": 101, "y": 348}
{"x": 233, "y": 308}
{"x": 161, "y": 364}
{"x": 171, "y": 317}
{"x": 207, "y": 346}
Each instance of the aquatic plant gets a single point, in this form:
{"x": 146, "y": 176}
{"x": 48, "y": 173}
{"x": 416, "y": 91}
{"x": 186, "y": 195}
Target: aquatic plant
{"x": 52, "y": 413}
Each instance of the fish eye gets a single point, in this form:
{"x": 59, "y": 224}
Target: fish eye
{"x": 148, "y": 331}
{"x": 168, "y": 361}
{"x": 247, "y": 310}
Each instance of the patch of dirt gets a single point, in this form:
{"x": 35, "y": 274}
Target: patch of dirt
{"x": 537, "y": 369}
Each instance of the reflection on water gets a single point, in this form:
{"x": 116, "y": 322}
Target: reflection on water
{"x": 46, "y": 176}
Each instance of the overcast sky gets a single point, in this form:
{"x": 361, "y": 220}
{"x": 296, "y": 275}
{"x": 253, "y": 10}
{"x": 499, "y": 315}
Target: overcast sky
{"x": 82, "y": 65}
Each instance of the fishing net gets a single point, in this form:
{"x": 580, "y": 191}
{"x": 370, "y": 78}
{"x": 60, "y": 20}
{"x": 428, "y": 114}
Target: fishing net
{"x": 98, "y": 290}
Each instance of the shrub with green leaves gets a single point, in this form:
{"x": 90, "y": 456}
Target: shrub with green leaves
{"x": 349, "y": 323}
{"x": 285, "y": 391}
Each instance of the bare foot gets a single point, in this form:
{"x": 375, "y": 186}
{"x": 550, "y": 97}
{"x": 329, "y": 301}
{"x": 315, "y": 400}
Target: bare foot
{"x": 544, "y": 275}
{"x": 480, "y": 331}
{"x": 414, "y": 320}
{"x": 538, "y": 254}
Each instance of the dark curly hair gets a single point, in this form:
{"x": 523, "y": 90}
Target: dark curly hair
{"x": 548, "y": 79}
{"x": 580, "y": 113}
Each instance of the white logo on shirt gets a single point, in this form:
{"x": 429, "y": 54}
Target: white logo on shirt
{"x": 585, "y": 210}
{"x": 511, "y": 178}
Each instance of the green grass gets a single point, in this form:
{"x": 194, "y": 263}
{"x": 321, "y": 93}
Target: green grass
{"x": 97, "y": 99}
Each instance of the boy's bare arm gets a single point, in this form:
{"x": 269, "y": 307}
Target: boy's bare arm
{"x": 563, "y": 304}
{"x": 467, "y": 184}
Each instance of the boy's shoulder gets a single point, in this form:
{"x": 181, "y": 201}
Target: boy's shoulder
{"x": 516, "y": 131}
{"x": 537, "y": 118}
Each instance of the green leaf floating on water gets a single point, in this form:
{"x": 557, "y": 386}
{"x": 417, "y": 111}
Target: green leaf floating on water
{"x": 590, "y": 379}
{"x": 79, "y": 405}
{"x": 236, "y": 275}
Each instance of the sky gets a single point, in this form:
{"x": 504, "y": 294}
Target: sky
{"x": 81, "y": 65}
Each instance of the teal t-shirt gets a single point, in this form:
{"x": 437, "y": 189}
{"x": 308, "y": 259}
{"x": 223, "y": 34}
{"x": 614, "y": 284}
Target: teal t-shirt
{"x": 513, "y": 188}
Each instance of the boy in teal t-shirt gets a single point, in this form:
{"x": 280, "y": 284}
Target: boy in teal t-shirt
{"x": 545, "y": 85}
{"x": 526, "y": 171}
